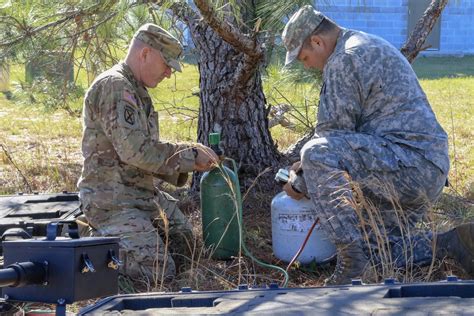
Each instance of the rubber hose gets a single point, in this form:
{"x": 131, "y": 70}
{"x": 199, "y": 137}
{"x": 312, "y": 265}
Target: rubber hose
{"x": 246, "y": 251}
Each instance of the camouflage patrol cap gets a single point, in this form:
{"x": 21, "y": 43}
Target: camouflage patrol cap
{"x": 161, "y": 40}
{"x": 298, "y": 28}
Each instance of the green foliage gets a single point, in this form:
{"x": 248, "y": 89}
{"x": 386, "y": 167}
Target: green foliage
{"x": 93, "y": 34}
{"x": 274, "y": 13}
{"x": 83, "y": 28}
{"x": 90, "y": 35}
{"x": 49, "y": 95}
{"x": 452, "y": 100}
{"x": 297, "y": 88}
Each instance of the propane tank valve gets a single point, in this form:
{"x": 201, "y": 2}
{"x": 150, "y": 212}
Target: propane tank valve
{"x": 282, "y": 176}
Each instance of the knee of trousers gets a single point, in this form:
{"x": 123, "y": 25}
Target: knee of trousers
{"x": 153, "y": 268}
{"x": 321, "y": 153}
{"x": 146, "y": 254}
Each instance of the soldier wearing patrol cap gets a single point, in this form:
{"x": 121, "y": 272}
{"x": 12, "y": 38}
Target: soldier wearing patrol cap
{"x": 376, "y": 128}
{"x": 123, "y": 155}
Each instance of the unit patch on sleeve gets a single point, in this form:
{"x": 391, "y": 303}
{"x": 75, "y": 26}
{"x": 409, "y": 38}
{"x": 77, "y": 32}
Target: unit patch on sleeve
{"x": 129, "y": 115}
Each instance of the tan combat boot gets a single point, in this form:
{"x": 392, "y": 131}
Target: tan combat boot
{"x": 458, "y": 244}
{"x": 351, "y": 262}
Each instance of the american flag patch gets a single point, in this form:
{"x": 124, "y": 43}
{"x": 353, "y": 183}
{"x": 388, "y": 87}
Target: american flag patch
{"x": 129, "y": 97}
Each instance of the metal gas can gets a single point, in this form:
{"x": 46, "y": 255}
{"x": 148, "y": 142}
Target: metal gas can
{"x": 291, "y": 222}
{"x": 221, "y": 212}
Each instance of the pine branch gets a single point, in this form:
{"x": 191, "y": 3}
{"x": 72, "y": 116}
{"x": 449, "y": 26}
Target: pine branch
{"x": 228, "y": 32}
{"x": 414, "y": 44}
{"x": 70, "y": 15}
{"x": 179, "y": 8}
{"x": 32, "y": 32}
{"x": 240, "y": 42}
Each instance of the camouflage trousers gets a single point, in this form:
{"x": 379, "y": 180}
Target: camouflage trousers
{"x": 363, "y": 193}
{"x": 148, "y": 239}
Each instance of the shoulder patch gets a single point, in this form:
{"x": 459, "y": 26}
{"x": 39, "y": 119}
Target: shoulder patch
{"x": 129, "y": 115}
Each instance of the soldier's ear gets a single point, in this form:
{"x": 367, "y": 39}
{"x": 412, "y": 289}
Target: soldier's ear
{"x": 144, "y": 53}
{"x": 316, "y": 41}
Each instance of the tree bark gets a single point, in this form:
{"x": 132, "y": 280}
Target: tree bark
{"x": 237, "y": 113}
{"x": 292, "y": 154}
{"x": 414, "y": 44}
{"x": 232, "y": 101}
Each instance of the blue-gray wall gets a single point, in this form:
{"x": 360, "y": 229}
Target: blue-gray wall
{"x": 389, "y": 19}
{"x": 457, "y": 27}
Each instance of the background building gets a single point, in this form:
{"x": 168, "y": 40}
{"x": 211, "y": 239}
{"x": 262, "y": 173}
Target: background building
{"x": 394, "y": 20}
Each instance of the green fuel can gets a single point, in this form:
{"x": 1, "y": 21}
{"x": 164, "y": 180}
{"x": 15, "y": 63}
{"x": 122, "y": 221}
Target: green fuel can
{"x": 221, "y": 209}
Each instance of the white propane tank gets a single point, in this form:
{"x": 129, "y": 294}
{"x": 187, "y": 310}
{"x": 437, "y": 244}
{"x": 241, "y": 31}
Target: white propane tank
{"x": 291, "y": 222}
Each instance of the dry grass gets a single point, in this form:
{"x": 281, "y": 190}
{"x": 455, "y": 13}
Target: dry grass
{"x": 205, "y": 273}
{"x": 376, "y": 223}
{"x": 41, "y": 152}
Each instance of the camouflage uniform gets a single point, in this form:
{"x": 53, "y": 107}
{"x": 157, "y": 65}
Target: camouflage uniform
{"x": 122, "y": 157}
{"x": 374, "y": 127}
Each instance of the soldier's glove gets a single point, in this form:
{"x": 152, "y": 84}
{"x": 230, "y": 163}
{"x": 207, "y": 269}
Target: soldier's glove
{"x": 297, "y": 182}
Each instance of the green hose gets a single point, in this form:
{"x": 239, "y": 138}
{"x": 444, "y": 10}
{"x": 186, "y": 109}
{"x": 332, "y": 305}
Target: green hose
{"x": 246, "y": 251}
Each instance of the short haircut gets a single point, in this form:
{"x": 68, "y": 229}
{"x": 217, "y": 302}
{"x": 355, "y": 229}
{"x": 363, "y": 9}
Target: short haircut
{"x": 325, "y": 27}
{"x": 137, "y": 44}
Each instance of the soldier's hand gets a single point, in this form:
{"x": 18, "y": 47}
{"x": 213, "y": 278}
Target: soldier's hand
{"x": 292, "y": 193}
{"x": 296, "y": 166}
{"x": 205, "y": 159}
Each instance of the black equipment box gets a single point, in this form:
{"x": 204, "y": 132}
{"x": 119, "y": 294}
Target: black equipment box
{"x": 77, "y": 269}
{"x": 447, "y": 297}
{"x": 34, "y": 212}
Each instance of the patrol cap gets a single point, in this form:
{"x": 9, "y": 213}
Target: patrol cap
{"x": 162, "y": 40}
{"x": 298, "y": 28}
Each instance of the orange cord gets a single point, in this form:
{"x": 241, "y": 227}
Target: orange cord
{"x": 303, "y": 245}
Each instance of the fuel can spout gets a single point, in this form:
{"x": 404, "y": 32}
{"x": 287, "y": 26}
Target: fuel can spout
{"x": 214, "y": 140}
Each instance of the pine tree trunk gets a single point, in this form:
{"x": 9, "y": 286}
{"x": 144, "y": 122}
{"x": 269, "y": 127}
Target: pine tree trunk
{"x": 240, "y": 116}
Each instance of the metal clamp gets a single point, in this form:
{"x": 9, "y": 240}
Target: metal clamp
{"x": 14, "y": 232}
{"x": 282, "y": 176}
{"x": 52, "y": 229}
{"x": 87, "y": 265}
{"x": 114, "y": 262}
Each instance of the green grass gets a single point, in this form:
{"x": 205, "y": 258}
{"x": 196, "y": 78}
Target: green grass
{"x": 42, "y": 146}
{"x": 440, "y": 67}
{"x": 41, "y": 141}
{"x": 41, "y": 149}
{"x": 452, "y": 100}
{"x": 178, "y": 95}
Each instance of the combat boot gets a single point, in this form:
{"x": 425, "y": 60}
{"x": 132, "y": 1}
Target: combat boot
{"x": 351, "y": 262}
{"x": 458, "y": 244}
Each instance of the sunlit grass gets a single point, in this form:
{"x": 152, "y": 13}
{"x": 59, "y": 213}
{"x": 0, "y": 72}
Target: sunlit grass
{"x": 45, "y": 143}
{"x": 452, "y": 100}
{"x": 41, "y": 151}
